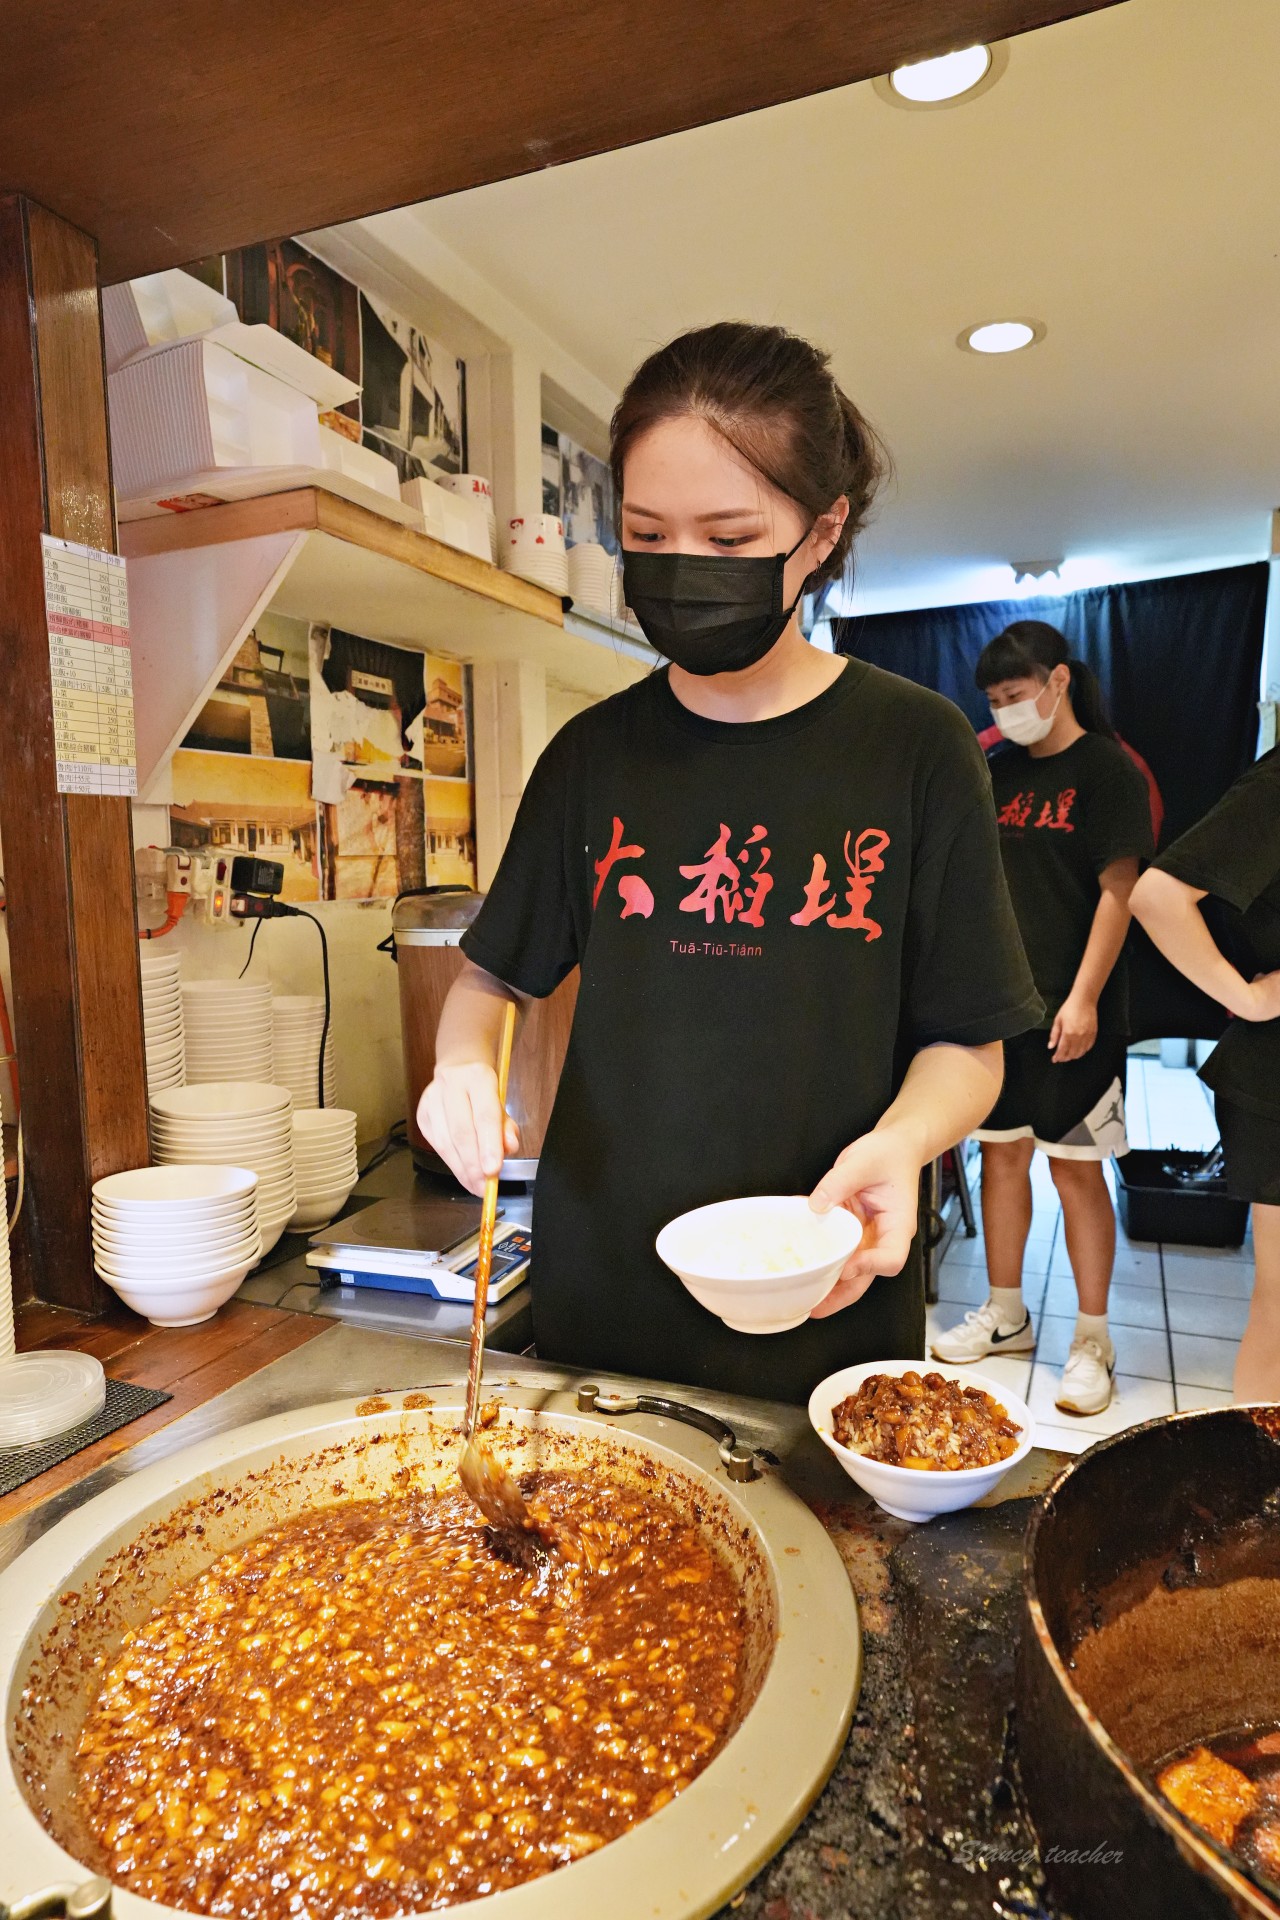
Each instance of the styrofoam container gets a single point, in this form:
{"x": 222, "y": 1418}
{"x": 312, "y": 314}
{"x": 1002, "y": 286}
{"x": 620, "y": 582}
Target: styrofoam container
{"x": 453, "y": 519}
{"x": 735, "y": 1257}
{"x": 916, "y": 1493}
{"x": 544, "y": 530}
{"x": 149, "y": 1189}
{"x": 360, "y": 463}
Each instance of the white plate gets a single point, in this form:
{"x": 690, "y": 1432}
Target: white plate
{"x": 221, "y": 1100}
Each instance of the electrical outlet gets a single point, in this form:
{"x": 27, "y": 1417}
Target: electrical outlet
{"x": 178, "y": 870}
{"x": 149, "y": 888}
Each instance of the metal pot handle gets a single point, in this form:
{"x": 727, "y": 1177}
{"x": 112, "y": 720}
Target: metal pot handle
{"x": 65, "y": 1901}
{"x": 739, "y": 1460}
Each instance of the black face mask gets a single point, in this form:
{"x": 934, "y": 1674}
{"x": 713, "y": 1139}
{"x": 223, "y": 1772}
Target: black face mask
{"x": 708, "y": 612}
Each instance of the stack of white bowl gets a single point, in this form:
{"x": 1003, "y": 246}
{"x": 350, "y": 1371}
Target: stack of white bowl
{"x": 162, "y": 1021}
{"x": 232, "y": 1123}
{"x": 298, "y": 1022}
{"x": 473, "y": 486}
{"x": 324, "y": 1156}
{"x": 535, "y": 550}
{"x": 175, "y": 1242}
{"x": 591, "y": 575}
{"x": 228, "y": 1030}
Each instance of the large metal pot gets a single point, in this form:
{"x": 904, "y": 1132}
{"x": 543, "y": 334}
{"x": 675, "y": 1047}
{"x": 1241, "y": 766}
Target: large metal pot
{"x": 66, "y": 1602}
{"x": 1152, "y": 1620}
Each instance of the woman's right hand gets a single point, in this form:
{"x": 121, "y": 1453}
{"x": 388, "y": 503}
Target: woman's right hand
{"x": 461, "y": 1116}
{"x": 1264, "y": 997}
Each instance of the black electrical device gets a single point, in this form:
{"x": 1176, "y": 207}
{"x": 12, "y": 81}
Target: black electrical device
{"x": 251, "y": 875}
{"x": 255, "y": 885}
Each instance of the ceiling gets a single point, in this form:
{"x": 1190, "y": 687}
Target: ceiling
{"x": 1119, "y": 182}
{"x": 171, "y": 131}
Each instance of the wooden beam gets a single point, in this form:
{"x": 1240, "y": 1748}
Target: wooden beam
{"x": 171, "y": 132}
{"x": 68, "y": 860}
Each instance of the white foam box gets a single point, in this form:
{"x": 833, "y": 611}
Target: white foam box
{"x": 455, "y": 520}
{"x": 341, "y": 455}
{"x": 193, "y": 408}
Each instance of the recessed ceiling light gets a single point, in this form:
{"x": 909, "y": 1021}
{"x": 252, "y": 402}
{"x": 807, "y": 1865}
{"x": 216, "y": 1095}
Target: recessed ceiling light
{"x": 1001, "y": 336}
{"x": 943, "y": 82}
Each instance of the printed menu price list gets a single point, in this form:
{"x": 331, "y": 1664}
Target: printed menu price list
{"x": 91, "y": 668}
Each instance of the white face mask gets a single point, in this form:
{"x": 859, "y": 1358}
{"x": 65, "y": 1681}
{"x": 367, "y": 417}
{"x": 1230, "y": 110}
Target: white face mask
{"x": 1023, "y": 723}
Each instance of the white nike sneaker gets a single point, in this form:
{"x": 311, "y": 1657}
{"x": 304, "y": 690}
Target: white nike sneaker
{"x": 980, "y": 1334}
{"x": 1087, "y": 1377}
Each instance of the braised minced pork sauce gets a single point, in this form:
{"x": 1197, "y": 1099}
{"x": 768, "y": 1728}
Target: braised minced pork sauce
{"x": 367, "y": 1710}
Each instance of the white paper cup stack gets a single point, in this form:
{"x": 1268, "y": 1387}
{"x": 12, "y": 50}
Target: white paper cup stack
{"x": 298, "y": 1022}
{"x": 535, "y": 550}
{"x": 228, "y": 1030}
{"x": 176, "y": 1241}
{"x": 591, "y": 572}
{"x": 324, "y": 1154}
{"x": 232, "y": 1123}
{"x": 473, "y": 486}
{"x": 162, "y": 1018}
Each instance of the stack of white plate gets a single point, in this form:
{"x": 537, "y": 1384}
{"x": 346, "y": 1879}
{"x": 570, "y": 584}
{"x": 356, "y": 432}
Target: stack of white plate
{"x": 324, "y": 1154}
{"x": 175, "y": 1242}
{"x": 534, "y": 549}
{"x": 46, "y": 1393}
{"x": 228, "y": 1030}
{"x": 162, "y": 1022}
{"x": 298, "y": 1022}
{"x": 473, "y": 486}
{"x": 591, "y": 576}
{"x": 232, "y": 1123}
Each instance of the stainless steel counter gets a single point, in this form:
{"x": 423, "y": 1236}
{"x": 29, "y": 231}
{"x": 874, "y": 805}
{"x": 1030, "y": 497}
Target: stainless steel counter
{"x": 347, "y": 1361}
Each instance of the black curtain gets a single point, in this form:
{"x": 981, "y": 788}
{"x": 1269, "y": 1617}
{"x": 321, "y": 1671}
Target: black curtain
{"x": 1179, "y": 661}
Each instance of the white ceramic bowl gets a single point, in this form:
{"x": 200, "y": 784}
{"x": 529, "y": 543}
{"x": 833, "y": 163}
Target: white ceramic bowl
{"x": 175, "y": 1272}
{"x": 179, "y": 1307}
{"x": 149, "y": 1188}
{"x": 220, "y": 1099}
{"x": 723, "y": 1253}
{"x": 150, "y": 1240}
{"x": 314, "y": 1213}
{"x": 915, "y": 1493}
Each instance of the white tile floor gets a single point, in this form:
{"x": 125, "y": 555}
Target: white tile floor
{"x": 1176, "y": 1313}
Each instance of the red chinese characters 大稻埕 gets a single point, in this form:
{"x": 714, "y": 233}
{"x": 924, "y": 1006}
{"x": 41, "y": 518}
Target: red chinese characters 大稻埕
{"x": 722, "y": 882}
{"x": 633, "y": 889}
{"x": 863, "y": 862}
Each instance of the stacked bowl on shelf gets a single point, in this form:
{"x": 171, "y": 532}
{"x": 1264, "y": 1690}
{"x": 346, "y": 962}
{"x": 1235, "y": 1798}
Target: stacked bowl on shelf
{"x": 162, "y": 1019}
{"x": 297, "y": 1024}
{"x": 473, "y": 486}
{"x": 232, "y": 1123}
{"x": 228, "y": 1030}
{"x": 535, "y": 551}
{"x": 592, "y": 570}
{"x": 324, "y": 1157}
{"x": 176, "y": 1241}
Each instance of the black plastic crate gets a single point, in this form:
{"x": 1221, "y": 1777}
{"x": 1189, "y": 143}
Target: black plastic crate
{"x": 1154, "y": 1206}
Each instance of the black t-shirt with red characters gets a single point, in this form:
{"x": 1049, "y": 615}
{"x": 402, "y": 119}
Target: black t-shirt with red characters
{"x": 770, "y": 918}
{"x": 1063, "y": 817}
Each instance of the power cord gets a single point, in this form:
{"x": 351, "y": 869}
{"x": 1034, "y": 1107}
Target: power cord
{"x": 278, "y": 910}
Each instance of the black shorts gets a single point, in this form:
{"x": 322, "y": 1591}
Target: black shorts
{"x": 1072, "y": 1111}
{"x": 1251, "y": 1147}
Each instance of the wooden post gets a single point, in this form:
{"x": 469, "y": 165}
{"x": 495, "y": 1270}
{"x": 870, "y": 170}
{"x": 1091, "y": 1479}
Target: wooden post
{"x": 68, "y": 861}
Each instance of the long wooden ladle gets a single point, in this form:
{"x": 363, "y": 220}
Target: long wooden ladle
{"x": 484, "y": 1477}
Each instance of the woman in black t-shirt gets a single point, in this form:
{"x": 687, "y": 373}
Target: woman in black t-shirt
{"x": 778, "y": 872}
{"x": 1233, "y": 855}
{"x": 1075, "y": 821}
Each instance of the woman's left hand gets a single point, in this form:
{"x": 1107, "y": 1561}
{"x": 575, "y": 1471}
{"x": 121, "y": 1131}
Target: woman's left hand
{"x": 878, "y": 1180}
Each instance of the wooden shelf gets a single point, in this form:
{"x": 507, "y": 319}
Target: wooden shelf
{"x": 198, "y": 581}
{"x": 370, "y": 575}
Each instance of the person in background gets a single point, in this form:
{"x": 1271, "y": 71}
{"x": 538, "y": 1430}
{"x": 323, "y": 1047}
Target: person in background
{"x": 1233, "y": 856}
{"x": 1075, "y": 823}
{"x": 779, "y": 873}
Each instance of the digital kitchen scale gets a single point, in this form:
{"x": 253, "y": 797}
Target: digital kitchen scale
{"x": 418, "y": 1245}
